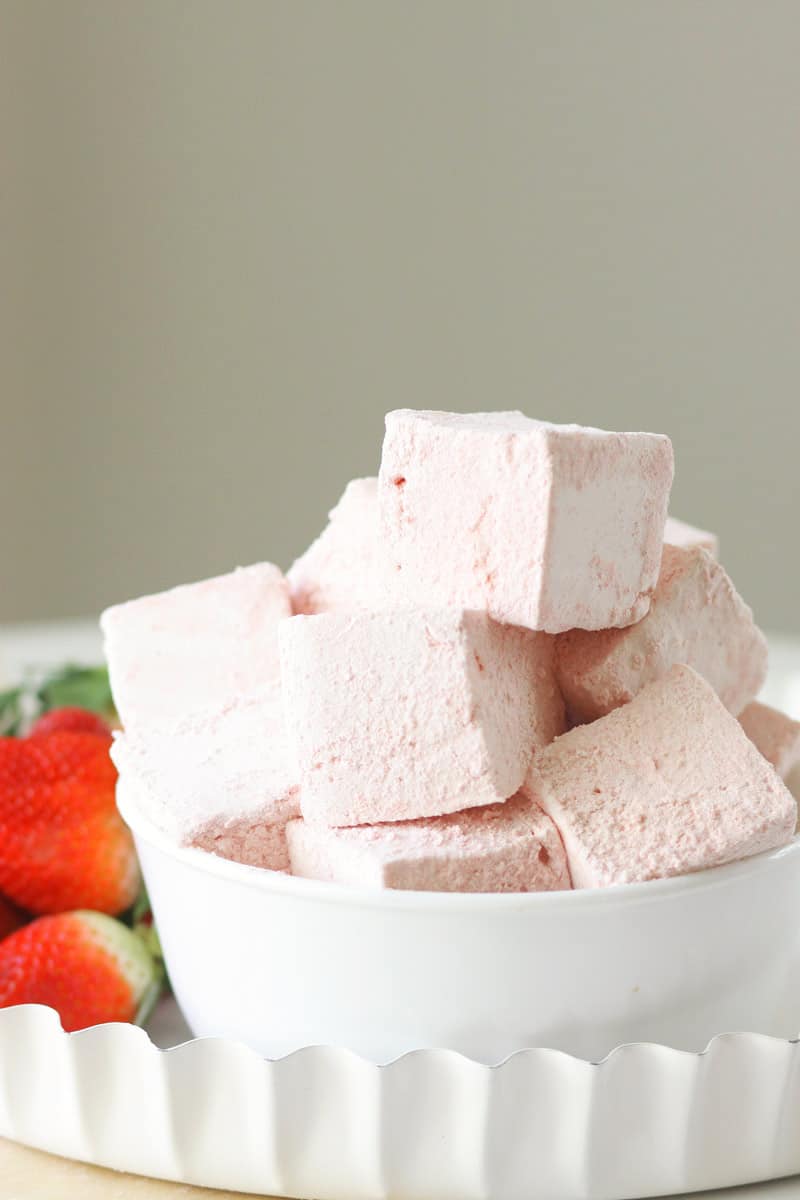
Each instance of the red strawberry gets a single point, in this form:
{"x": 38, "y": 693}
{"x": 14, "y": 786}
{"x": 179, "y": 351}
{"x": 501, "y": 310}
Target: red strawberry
{"x": 63, "y": 845}
{"x": 69, "y": 720}
{"x": 10, "y": 918}
{"x": 87, "y": 966}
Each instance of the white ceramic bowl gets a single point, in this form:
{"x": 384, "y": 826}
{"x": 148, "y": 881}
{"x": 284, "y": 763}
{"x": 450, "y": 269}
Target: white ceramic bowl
{"x": 281, "y": 963}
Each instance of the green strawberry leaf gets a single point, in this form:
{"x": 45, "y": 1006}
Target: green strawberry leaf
{"x": 139, "y": 918}
{"x": 81, "y": 687}
{"x": 141, "y": 910}
{"x": 12, "y": 712}
{"x": 84, "y": 687}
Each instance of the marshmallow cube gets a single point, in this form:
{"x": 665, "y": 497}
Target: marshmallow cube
{"x": 666, "y": 785}
{"x": 511, "y": 847}
{"x": 201, "y": 644}
{"x": 218, "y": 779}
{"x": 696, "y": 617}
{"x": 774, "y": 734}
{"x": 404, "y": 713}
{"x": 545, "y": 526}
{"x": 678, "y": 533}
{"x": 341, "y": 570}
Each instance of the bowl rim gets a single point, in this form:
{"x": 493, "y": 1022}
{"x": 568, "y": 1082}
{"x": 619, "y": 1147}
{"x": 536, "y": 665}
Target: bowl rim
{"x": 621, "y": 894}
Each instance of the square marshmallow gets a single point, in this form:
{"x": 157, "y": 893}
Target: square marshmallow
{"x": 197, "y": 645}
{"x": 510, "y": 847}
{"x": 774, "y": 734}
{"x": 217, "y": 779}
{"x": 666, "y": 785}
{"x": 678, "y": 533}
{"x": 546, "y": 526}
{"x": 413, "y": 712}
{"x": 696, "y": 617}
{"x": 341, "y": 570}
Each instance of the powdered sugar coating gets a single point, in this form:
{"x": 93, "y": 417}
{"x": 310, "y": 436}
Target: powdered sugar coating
{"x": 696, "y": 617}
{"x": 679, "y": 533}
{"x": 220, "y": 779}
{"x": 195, "y": 645}
{"x": 402, "y": 714}
{"x": 666, "y": 785}
{"x": 774, "y": 734}
{"x": 546, "y": 526}
{"x": 511, "y": 847}
{"x": 342, "y": 569}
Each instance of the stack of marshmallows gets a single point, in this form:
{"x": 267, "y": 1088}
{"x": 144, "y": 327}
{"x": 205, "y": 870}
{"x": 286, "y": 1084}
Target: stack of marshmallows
{"x": 501, "y": 667}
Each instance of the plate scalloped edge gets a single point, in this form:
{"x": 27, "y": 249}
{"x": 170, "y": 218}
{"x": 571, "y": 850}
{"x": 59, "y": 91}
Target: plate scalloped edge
{"x": 324, "y": 1123}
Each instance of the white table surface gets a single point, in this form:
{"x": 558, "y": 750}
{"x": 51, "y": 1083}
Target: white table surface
{"x": 30, "y": 1175}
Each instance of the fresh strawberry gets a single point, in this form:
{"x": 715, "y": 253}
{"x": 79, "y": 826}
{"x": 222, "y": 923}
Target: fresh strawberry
{"x": 63, "y": 845}
{"x": 10, "y": 918}
{"x": 87, "y": 966}
{"x": 69, "y": 720}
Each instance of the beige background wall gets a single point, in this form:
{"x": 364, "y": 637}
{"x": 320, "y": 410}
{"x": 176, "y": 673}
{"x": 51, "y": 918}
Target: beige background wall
{"x": 234, "y": 232}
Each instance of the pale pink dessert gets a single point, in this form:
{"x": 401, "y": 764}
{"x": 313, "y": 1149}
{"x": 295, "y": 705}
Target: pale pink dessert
{"x": 219, "y": 779}
{"x": 511, "y": 847}
{"x": 774, "y": 734}
{"x": 403, "y": 685}
{"x": 412, "y": 713}
{"x": 679, "y": 533}
{"x": 201, "y": 643}
{"x": 668, "y": 784}
{"x": 546, "y": 526}
{"x": 696, "y": 617}
{"x": 342, "y": 569}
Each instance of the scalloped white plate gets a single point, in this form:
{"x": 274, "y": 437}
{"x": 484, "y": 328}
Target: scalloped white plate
{"x": 324, "y": 1123}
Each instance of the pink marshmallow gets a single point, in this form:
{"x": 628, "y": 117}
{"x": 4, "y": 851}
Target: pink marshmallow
{"x": 217, "y": 779}
{"x": 696, "y": 617}
{"x": 666, "y": 785}
{"x": 341, "y": 570}
{"x": 545, "y": 526}
{"x": 257, "y": 842}
{"x": 511, "y": 847}
{"x": 678, "y": 533}
{"x": 413, "y": 713}
{"x": 774, "y": 734}
{"x": 196, "y": 645}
